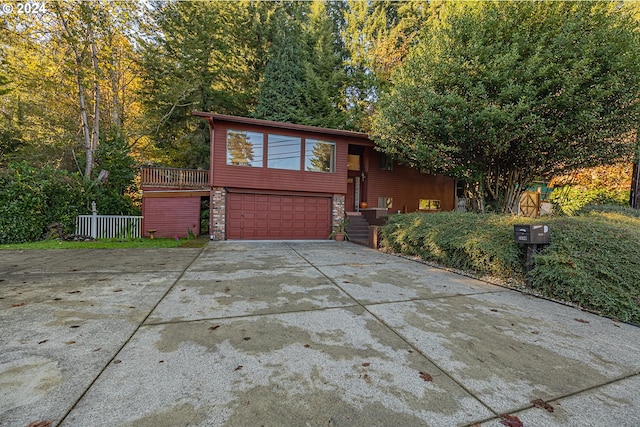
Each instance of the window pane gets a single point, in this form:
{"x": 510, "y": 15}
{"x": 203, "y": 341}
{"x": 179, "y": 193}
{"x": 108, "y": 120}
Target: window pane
{"x": 244, "y": 148}
{"x": 386, "y": 163}
{"x": 429, "y": 205}
{"x": 284, "y": 152}
{"x": 319, "y": 156}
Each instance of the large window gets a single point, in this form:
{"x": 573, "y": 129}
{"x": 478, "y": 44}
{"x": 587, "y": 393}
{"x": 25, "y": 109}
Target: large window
{"x": 284, "y": 152}
{"x": 244, "y": 148}
{"x": 429, "y": 205}
{"x": 319, "y": 156}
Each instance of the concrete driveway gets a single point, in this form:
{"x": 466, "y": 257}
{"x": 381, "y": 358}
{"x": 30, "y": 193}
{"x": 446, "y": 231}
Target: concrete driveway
{"x": 295, "y": 334}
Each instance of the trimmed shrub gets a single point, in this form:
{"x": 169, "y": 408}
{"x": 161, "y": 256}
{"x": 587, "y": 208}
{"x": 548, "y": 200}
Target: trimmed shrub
{"x": 466, "y": 241}
{"x": 32, "y": 198}
{"x": 592, "y": 260}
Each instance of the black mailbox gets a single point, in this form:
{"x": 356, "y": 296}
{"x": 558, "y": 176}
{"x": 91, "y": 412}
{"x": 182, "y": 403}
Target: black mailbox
{"x": 531, "y": 234}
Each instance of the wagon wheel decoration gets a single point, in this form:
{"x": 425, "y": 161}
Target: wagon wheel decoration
{"x": 530, "y": 204}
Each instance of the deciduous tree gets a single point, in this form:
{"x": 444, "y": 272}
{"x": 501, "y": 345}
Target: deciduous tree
{"x": 501, "y": 93}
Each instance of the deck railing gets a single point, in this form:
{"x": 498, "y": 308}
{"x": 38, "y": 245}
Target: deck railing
{"x": 174, "y": 178}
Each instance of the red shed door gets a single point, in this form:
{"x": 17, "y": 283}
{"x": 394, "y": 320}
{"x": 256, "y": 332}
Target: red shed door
{"x": 273, "y": 217}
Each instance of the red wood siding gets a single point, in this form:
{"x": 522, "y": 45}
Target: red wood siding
{"x": 271, "y": 216}
{"x": 406, "y": 186}
{"x": 171, "y": 216}
{"x": 277, "y": 179}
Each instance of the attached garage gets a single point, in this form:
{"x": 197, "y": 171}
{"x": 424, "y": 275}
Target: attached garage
{"x": 277, "y": 216}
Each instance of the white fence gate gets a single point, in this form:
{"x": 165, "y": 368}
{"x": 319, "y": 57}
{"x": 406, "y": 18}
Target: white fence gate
{"x": 109, "y": 226}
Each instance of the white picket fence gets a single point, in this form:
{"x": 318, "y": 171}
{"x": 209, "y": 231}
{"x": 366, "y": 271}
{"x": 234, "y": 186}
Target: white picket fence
{"x": 109, "y": 226}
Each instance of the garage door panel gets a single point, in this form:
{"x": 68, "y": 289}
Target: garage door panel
{"x": 264, "y": 216}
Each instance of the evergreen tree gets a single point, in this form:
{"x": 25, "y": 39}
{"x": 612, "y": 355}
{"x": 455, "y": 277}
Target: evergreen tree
{"x": 281, "y": 97}
{"x": 304, "y": 77}
{"x": 194, "y": 59}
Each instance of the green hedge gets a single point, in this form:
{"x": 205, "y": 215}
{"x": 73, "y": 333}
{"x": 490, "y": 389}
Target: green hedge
{"x": 33, "y": 198}
{"x": 593, "y": 259}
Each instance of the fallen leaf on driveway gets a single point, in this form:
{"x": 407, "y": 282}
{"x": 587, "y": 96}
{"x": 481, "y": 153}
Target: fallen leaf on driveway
{"x": 307, "y": 346}
{"x": 238, "y": 368}
{"x": 426, "y": 376}
{"x": 18, "y": 304}
{"x": 246, "y": 338}
{"x": 213, "y": 328}
{"x": 43, "y": 341}
{"x": 539, "y": 403}
{"x": 365, "y": 364}
{"x": 70, "y": 342}
{"x": 117, "y": 362}
{"x": 41, "y": 423}
{"x": 581, "y": 320}
{"x": 74, "y": 292}
{"x": 510, "y": 421}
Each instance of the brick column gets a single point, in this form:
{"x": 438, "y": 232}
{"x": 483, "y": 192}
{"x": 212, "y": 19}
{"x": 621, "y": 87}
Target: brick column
{"x": 218, "y": 213}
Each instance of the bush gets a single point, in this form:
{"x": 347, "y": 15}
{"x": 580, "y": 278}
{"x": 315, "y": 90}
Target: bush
{"x": 592, "y": 259}
{"x": 466, "y": 241}
{"x": 570, "y": 200}
{"x": 33, "y": 198}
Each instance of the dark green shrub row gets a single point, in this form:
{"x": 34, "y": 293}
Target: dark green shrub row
{"x": 593, "y": 258}
{"x": 33, "y": 198}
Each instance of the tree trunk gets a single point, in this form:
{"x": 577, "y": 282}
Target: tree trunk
{"x": 86, "y": 133}
{"x": 85, "y": 129}
{"x": 634, "y": 197}
{"x": 95, "y": 135}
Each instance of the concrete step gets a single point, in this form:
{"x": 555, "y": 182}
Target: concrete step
{"x": 358, "y": 228}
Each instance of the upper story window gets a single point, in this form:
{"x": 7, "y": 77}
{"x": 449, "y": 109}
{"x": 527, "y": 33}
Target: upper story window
{"x": 244, "y": 148}
{"x": 319, "y": 156}
{"x": 284, "y": 152}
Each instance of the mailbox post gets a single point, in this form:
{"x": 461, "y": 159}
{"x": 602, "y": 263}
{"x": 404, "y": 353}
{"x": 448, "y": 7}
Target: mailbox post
{"x": 532, "y": 236}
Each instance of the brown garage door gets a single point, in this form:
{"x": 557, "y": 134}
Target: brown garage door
{"x": 270, "y": 216}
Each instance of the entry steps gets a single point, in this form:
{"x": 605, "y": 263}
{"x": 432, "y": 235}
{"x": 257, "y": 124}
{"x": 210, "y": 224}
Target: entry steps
{"x": 358, "y": 228}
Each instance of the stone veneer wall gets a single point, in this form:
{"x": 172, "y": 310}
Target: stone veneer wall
{"x": 218, "y": 213}
{"x": 337, "y": 213}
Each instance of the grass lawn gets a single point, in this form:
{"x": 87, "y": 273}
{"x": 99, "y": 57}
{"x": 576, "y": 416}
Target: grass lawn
{"x": 108, "y": 244}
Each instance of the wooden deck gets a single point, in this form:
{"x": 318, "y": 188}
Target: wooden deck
{"x": 174, "y": 178}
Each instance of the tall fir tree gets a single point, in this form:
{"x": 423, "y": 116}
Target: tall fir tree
{"x": 281, "y": 97}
